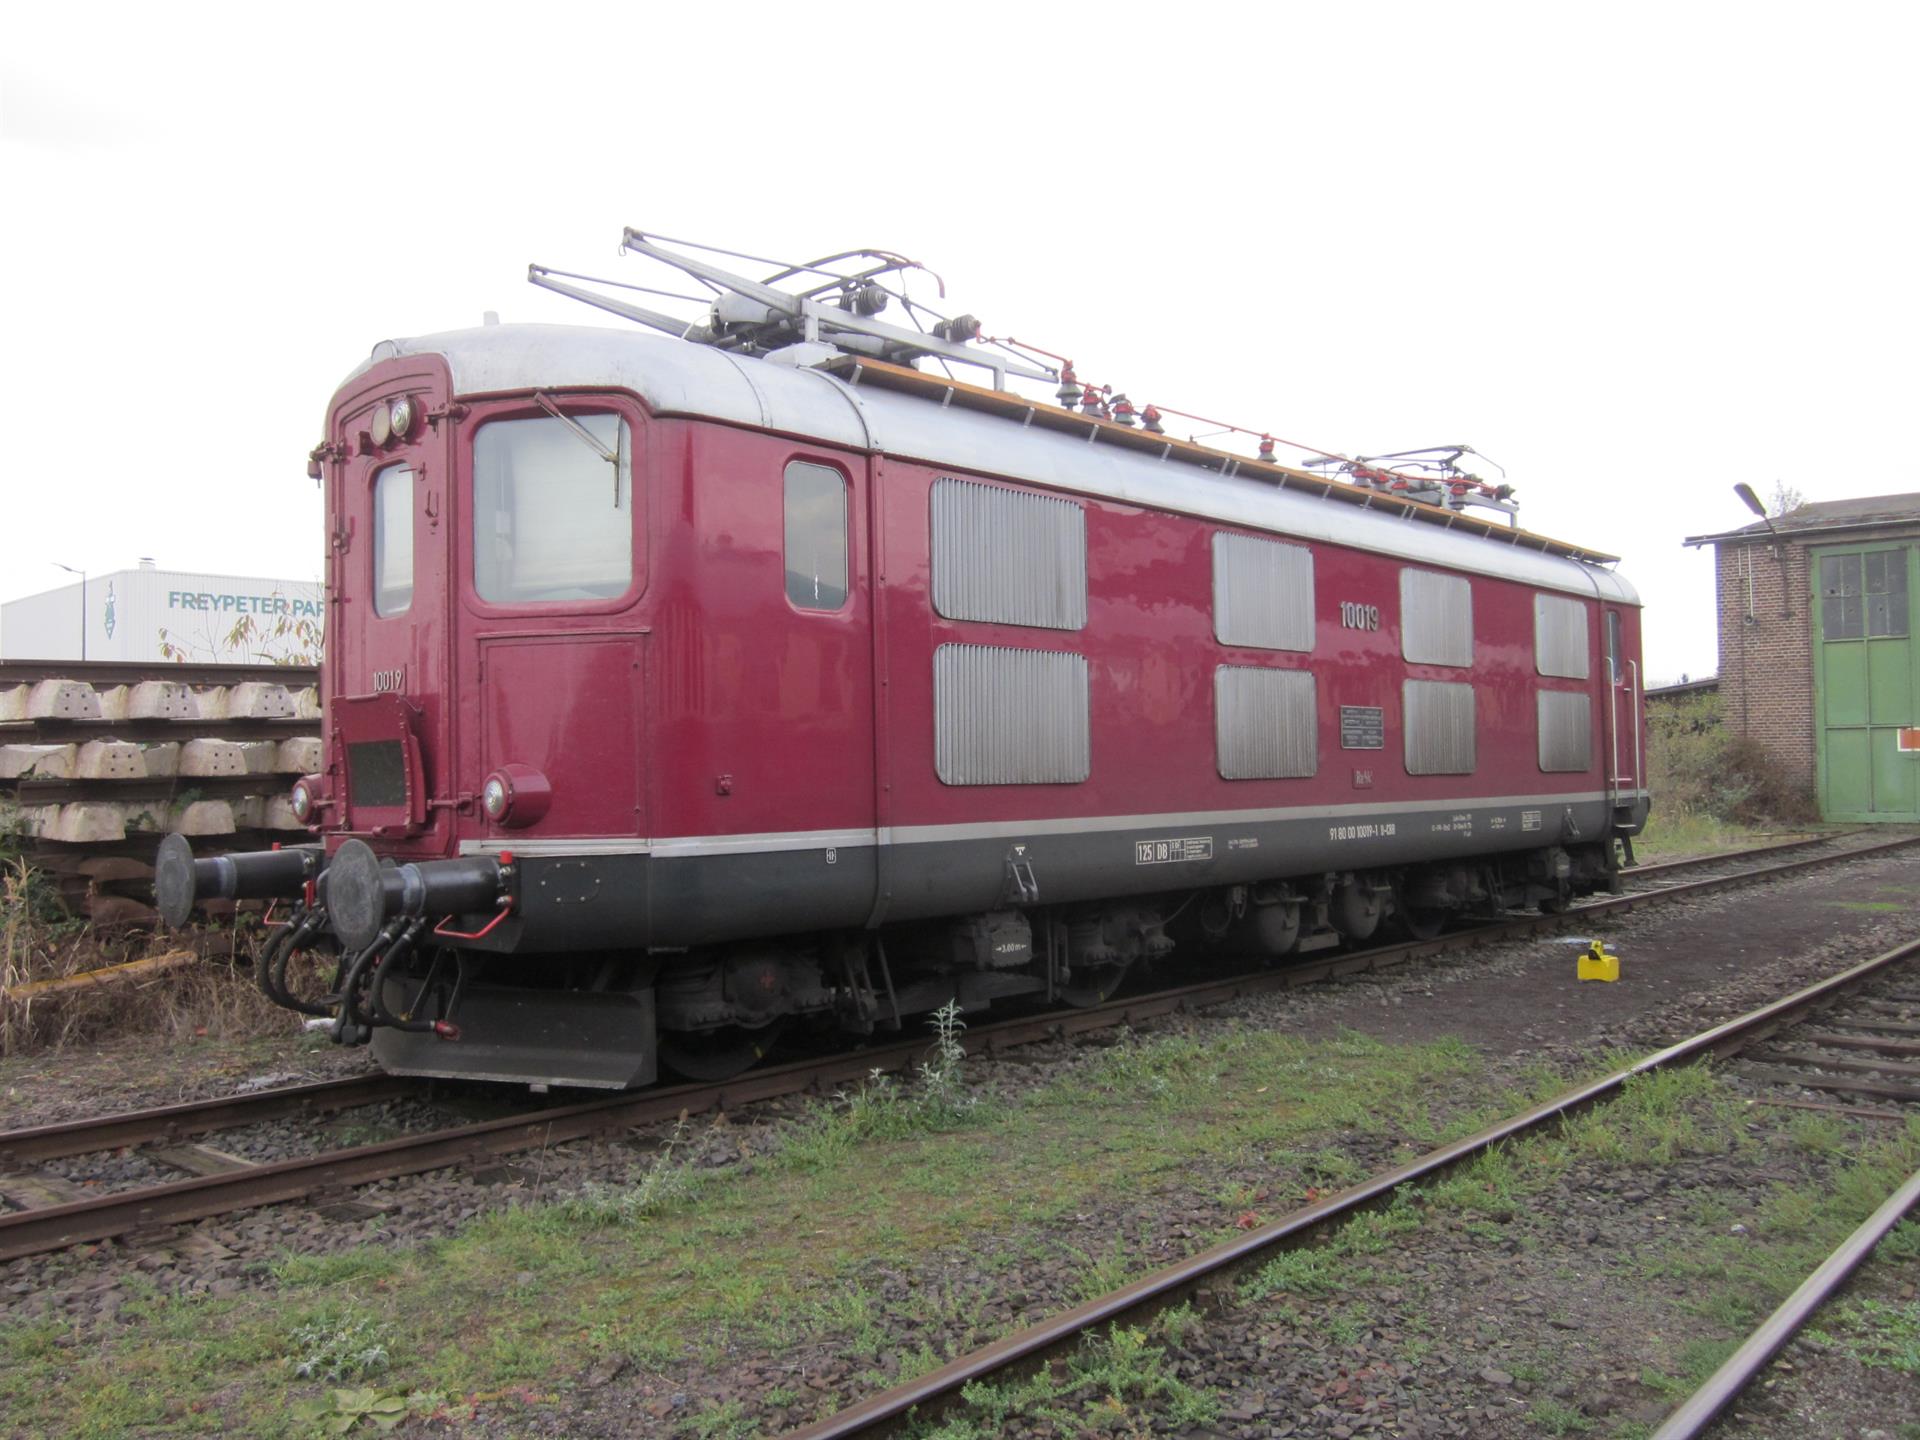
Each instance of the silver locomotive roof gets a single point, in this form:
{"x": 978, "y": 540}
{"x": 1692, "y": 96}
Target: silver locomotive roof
{"x": 788, "y": 396}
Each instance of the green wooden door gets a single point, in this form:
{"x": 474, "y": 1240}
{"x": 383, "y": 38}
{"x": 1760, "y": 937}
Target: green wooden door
{"x": 1864, "y": 676}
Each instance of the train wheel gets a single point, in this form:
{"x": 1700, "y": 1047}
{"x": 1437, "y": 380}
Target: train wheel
{"x": 1422, "y": 924}
{"x": 1092, "y": 986}
{"x": 708, "y": 1056}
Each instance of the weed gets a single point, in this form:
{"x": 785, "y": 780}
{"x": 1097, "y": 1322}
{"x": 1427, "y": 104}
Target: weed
{"x": 1317, "y": 1271}
{"x": 340, "y": 1345}
{"x": 1878, "y": 1335}
{"x": 1819, "y": 1135}
{"x": 1127, "y": 1373}
{"x": 1660, "y": 1116}
{"x": 1557, "y": 1419}
{"x": 1346, "y": 1327}
{"x": 720, "y": 1422}
{"x": 1372, "y": 1232}
{"x": 885, "y": 1109}
{"x": 337, "y": 1269}
{"x": 648, "y": 1190}
{"x": 340, "y": 1411}
{"x": 1330, "y": 1168}
{"x": 1491, "y": 1182}
{"x": 943, "y": 1094}
{"x": 1178, "y": 1325}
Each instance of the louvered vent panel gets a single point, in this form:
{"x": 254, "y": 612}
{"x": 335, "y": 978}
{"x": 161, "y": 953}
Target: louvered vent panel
{"x": 1008, "y": 557}
{"x": 1566, "y": 730}
{"x": 1262, "y": 593}
{"x": 1266, "y": 724}
{"x": 1436, "y": 618}
{"x": 1560, "y": 637}
{"x": 1009, "y": 717}
{"x": 1439, "y": 721}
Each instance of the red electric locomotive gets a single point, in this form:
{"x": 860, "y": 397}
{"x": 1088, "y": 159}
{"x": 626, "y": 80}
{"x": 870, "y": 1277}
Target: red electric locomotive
{"x": 681, "y": 687}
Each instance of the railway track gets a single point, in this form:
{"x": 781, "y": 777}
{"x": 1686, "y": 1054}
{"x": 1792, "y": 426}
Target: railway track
{"x": 51, "y": 1217}
{"x": 1835, "y": 1000}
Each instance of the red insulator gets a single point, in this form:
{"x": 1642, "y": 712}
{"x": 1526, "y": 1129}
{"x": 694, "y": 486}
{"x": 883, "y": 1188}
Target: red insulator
{"x": 1266, "y": 448}
{"x": 1123, "y": 411}
{"x": 1091, "y": 403}
{"x": 1150, "y": 418}
{"x": 1069, "y": 390}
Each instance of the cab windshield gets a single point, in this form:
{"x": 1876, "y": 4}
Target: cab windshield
{"x": 552, "y": 510}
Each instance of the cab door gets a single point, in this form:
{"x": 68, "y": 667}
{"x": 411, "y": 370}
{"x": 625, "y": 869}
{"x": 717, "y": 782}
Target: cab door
{"x": 1625, "y": 772}
{"x": 550, "y": 568}
{"x": 389, "y": 721}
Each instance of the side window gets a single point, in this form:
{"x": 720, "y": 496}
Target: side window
{"x": 1008, "y": 557}
{"x": 552, "y": 510}
{"x": 1614, "y": 670}
{"x": 816, "y": 536}
{"x": 1436, "y": 618}
{"x": 1262, "y": 593}
{"x": 393, "y": 540}
{"x": 1560, "y": 637}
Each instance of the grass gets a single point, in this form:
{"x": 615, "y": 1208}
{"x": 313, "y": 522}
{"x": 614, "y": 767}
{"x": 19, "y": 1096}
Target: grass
{"x": 1670, "y": 834}
{"x": 803, "y": 1252}
{"x": 1879, "y": 1335}
{"x": 793, "y": 1254}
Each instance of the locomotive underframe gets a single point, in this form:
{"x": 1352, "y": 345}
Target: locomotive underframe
{"x": 559, "y": 992}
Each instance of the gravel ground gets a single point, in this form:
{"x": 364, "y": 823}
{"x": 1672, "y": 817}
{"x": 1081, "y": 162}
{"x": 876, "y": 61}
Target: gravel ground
{"x": 1453, "y": 1340}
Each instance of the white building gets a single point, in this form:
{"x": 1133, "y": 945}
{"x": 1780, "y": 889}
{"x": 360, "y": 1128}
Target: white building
{"x": 154, "y": 614}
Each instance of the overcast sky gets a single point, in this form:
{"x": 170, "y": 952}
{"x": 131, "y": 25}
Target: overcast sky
{"x": 1634, "y": 253}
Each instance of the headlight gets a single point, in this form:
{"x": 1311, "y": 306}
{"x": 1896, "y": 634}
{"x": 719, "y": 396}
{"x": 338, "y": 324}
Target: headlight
{"x": 401, "y": 416}
{"x": 302, "y": 802}
{"x": 516, "y": 796}
{"x": 380, "y": 425}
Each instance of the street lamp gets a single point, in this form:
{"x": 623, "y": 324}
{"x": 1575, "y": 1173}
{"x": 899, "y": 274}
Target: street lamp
{"x": 83, "y": 603}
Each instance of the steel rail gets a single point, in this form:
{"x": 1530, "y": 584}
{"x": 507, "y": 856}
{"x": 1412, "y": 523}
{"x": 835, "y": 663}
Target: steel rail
{"x": 1171, "y": 1282}
{"x": 1790, "y": 867}
{"x": 1699, "y": 1409}
{"x": 197, "y": 1117}
{"x": 54, "y": 1227}
{"x": 1658, "y": 867}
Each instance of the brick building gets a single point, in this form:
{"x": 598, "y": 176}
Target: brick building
{"x": 1817, "y": 648}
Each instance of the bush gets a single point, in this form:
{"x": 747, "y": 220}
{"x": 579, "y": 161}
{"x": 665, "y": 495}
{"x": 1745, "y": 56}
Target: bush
{"x": 1696, "y": 767}
{"x": 175, "y": 995}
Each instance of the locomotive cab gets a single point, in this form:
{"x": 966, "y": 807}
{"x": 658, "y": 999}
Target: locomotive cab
{"x": 490, "y": 695}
